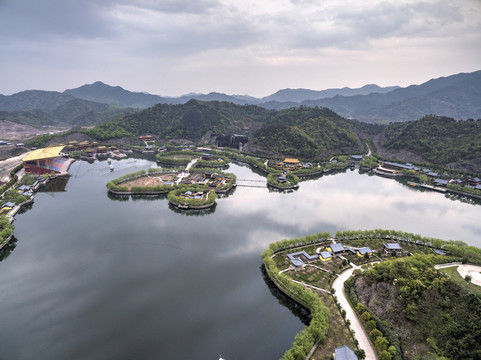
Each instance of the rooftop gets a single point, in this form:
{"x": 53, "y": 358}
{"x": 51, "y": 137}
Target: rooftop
{"x": 344, "y": 353}
{"x": 44, "y": 153}
{"x": 393, "y": 246}
{"x": 337, "y": 247}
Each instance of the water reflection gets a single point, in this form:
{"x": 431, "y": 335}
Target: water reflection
{"x": 193, "y": 212}
{"x": 55, "y": 185}
{"x": 297, "y": 309}
{"x": 8, "y": 249}
{"x": 227, "y": 194}
{"x": 116, "y": 197}
{"x": 280, "y": 191}
{"x": 148, "y": 197}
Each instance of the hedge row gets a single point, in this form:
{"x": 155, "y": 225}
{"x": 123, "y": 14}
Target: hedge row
{"x": 287, "y": 244}
{"x": 175, "y": 198}
{"x": 317, "y": 329}
{"x": 6, "y": 229}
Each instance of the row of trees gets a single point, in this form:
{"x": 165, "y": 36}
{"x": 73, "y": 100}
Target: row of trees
{"x": 176, "y": 196}
{"x": 288, "y": 244}
{"x": 6, "y": 229}
{"x": 319, "y": 325}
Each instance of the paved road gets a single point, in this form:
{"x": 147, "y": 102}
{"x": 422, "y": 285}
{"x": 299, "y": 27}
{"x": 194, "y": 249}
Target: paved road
{"x": 360, "y": 334}
{"x": 7, "y": 165}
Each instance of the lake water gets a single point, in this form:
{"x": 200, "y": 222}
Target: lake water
{"x": 90, "y": 276}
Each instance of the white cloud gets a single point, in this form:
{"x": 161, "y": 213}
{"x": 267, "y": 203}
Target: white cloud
{"x": 231, "y": 44}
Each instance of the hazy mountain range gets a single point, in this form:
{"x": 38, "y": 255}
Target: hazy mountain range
{"x": 457, "y": 96}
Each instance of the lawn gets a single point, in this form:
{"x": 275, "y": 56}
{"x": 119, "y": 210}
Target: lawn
{"x": 452, "y": 272}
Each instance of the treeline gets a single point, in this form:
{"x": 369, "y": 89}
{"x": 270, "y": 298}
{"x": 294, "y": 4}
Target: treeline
{"x": 458, "y": 250}
{"x": 319, "y": 325}
{"x": 6, "y": 229}
{"x": 439, "y": 140}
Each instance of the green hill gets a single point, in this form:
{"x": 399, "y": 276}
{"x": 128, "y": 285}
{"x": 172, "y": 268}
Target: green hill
{"x": 439, "y": 140}
{"x": 307, "y": 132}
{"x": 193, "y": 119}
{"x": 434, "y": 316}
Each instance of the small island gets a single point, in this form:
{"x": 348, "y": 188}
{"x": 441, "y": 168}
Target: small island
{"x": 186, "y": 189}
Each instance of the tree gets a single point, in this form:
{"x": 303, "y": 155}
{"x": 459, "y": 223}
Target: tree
{"x": 381, "y": 344}
{"x": 370, "y": 325}
{"x": 360, "y": 308}
{"x": 361, "y": 354}
{"x": 365, "y": 317}
{"x": 373, "y": 335}
{"x": 468, "y": 278}
{"x": 385, "y": 355}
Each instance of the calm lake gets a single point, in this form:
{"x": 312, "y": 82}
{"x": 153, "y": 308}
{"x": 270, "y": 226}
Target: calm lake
{"x": 90, "y": 276}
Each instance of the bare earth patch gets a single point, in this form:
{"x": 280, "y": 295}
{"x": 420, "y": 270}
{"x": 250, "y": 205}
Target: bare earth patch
{"x": 144, "y": 181}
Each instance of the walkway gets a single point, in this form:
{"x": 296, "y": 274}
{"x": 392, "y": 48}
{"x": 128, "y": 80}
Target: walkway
{"x": 189, "y": 165}
{"x": 360, "y": 334}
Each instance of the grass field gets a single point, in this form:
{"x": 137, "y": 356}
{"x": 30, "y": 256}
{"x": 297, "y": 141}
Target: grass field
{"x": 452, "y": 272}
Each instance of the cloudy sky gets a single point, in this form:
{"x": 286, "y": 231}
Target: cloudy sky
{"x": 255, "y": 47}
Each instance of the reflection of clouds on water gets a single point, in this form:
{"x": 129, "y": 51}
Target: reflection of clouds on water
{"x": 349, "y": 202}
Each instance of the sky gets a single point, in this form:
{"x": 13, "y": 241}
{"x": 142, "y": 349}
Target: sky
{"x": 253, "y": 47}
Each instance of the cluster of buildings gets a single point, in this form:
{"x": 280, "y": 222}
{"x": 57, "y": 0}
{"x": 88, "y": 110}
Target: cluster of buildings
{"x": 327, "y": 254}
{"x": 393, "y": 169}
{"x": 208, "y": 178}
{"x": 292, "y": 164}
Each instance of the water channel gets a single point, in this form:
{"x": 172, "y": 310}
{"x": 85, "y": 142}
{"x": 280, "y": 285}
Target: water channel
{"x": 91, "y": 276}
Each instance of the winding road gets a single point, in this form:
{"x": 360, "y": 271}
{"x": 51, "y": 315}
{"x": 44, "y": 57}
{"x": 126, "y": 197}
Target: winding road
{"x": 360, "y": 334}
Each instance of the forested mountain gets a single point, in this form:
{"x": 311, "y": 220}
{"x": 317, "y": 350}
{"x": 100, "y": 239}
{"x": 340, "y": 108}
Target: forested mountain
{"x": 457, "y": 96}
{"x": 107, "y": 94}
{"x": 83, "y": 112}
{"x": 33, "y": 100}
{"x": 35, "y": 118}
{"x": 308, "y": 133}
{"x": 437, "y": 139}
{"x": 300, "y": 95}
{"x": 194, "y": 119}
{"x": 58, "y": 112}
{"x": 115, "y": 95}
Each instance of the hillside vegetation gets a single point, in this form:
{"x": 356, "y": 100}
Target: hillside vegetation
{"x": 307, "y": 133}
{"x": 439, "y": 140}
{"x": 193, "y": 119}
{"x": 434, "y": 317}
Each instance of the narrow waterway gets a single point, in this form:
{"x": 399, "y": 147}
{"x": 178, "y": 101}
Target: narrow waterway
{"x": 91, "y": 276}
